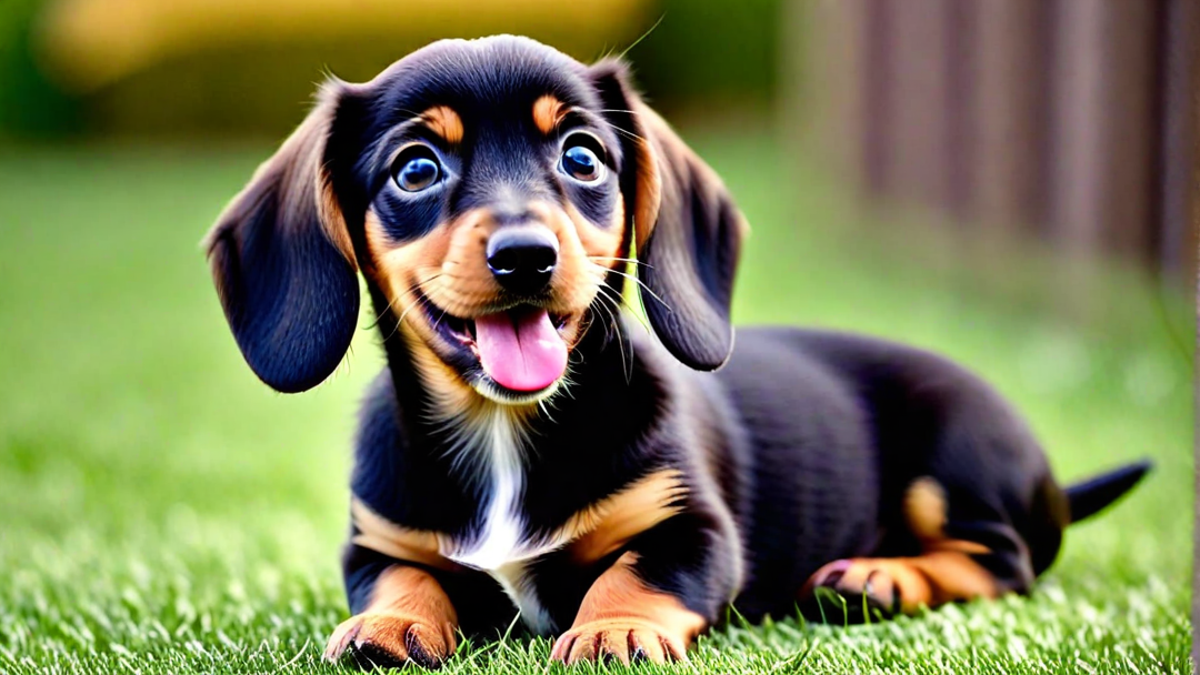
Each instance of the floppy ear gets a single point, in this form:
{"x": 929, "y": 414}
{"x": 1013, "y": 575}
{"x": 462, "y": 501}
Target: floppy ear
{"x": 687, "y": 229}
{"x": 283, "y": 264}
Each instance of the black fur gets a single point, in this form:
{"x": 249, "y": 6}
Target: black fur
{"x": 290, "y": 296}
{"x": 1088, "y": 497}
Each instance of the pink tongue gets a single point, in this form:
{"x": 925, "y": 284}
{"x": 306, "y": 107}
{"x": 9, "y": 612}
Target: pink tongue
{"x": 520, "y": 349}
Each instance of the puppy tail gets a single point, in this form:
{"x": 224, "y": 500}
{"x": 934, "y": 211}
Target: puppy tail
{"x": 1088, "y": 497}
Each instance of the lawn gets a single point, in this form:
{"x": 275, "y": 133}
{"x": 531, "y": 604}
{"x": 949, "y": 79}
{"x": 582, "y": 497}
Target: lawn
{"x": 162, "y": 511}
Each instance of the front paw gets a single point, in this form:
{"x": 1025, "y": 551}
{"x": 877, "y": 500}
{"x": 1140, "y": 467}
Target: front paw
{"x": 391, "y": 639}
{"x": 624, "y": 639}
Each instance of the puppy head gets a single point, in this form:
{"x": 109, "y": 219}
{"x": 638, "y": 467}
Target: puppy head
{"x": 489, "y": 191}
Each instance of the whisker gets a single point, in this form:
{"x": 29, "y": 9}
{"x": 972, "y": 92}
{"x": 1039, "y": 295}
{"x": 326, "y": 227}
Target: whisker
{"x": 620, "y": 110}
{"x": 608, "y": 325}
{"x": 403, "y": 314}
{"x": 391, "y": 303}
{"x": 613, "y": 312}
{"x": 433, "y": 296}
{"x": 429, "y": 293}
{"x": 602, "y": 284}
{"x": 625, "y": 303}
{"x": 544, "y": 406}
{"x": 627, "y": 133}
{"x": 622, "y": 300}
{"x": 603, "y": 304}
{"x": 639, "y": 282}
{"x": 406, "y": 111}
{"x": 643, "y": 36}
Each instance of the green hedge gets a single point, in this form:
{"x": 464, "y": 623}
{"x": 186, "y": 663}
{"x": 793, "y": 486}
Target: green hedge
{"x": 711, "y": 49}
{"x": 29, "y": 104}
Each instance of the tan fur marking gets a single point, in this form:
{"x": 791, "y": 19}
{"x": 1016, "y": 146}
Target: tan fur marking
{"x": 953, "y": 575}
{"x": 608, "y": 524}
{"x": 589, "y": 535}
{"x": 409, "y": 616}
{"x": 450, "y": 394}
{"x": 334, "y": 224}
{"x": 448, "y": 264}
{"x": 399, "y": 266}
{"x": 649, "y": 195}
{"x": 548, "y": 112}
{"x": 467, "y": 289}
{"x": 959, "y": 545}
{"x": 925, "y": 511}
{"x": 925, "y": 508}
{"x": 379, "y": 534}
{"x": 649, "y": 172}
{"x": 585, "y": 255}
{"x": 400, "y": 270}
{"x": 620, "y": 613}
{"x": 443, "y": 121}
{"x": 596, "y": 241}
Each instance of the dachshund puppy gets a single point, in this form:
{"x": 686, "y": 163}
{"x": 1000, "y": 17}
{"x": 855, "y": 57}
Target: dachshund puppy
{"x": 528, "y": 450}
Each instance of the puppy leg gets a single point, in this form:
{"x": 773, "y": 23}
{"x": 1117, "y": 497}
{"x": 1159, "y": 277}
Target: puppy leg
{"x": 900, "y": 585}
{"x": 982, "y": 560}
{"x": 655, "y": 599}
{"x": 408, "y": 617}
{"x": 623, "y": 618}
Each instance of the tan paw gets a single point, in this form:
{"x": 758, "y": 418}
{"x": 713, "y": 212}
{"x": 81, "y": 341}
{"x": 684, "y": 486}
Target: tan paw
{"x": 626, "y": 640}
{"x": 867, "y": 586}
{"x": 386, "y": 640}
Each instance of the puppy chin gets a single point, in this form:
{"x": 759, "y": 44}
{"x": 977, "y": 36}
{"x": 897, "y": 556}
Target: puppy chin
{"x": 485, "y": 387}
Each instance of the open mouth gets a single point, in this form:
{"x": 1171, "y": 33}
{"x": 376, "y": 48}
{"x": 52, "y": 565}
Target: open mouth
{"x": 521, "y": 349}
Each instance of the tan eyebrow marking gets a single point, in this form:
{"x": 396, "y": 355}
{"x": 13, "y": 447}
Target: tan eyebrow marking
{"x": 443, "y": 121}
{"x": 548, "y": 112}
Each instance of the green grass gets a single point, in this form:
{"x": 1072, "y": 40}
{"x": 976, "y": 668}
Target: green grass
{"x": 162, "y": 511}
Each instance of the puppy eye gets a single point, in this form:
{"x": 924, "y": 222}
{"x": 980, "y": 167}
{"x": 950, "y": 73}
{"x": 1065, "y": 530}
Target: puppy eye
{"x": 416, "y": 169}
{"x": 580, "y": 161}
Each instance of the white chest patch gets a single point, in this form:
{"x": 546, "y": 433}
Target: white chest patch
{"x": 493, "y": 446}
{"x": 499, "y": 459}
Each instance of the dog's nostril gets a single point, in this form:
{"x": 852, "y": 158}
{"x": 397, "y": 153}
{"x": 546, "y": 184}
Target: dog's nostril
{"x": 541, "y": 259}
{"x": 522, "y": 259}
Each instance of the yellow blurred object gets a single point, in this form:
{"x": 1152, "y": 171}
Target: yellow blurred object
{"x": 87, "y": 44}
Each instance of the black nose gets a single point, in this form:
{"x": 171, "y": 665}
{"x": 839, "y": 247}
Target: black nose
{"x": 522, "y": 258}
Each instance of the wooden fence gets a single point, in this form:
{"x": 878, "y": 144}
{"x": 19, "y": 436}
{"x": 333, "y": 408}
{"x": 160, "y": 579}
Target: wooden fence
{"x": 1071, "y": 121}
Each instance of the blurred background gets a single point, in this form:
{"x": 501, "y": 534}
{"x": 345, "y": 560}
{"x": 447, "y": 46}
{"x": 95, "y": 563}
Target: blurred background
{"x": 1009, "y": 182}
